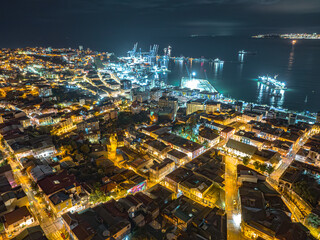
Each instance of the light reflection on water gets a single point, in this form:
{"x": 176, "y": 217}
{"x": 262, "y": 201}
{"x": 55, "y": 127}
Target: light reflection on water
{"x": 214, "y": 72}
{"x": 264, "y": 92}
{"x": 291, "y": 59}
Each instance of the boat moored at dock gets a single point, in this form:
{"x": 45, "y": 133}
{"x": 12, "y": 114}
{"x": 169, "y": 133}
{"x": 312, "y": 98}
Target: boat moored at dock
{"x": 272, "y": 82}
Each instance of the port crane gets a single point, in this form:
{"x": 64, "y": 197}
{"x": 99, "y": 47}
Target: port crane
{"x": 189, "y": 75}
{"x": 132, "y": 53}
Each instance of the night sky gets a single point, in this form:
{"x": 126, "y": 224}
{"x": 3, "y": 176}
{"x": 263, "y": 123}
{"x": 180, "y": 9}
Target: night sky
{"x": 64, "y": 23}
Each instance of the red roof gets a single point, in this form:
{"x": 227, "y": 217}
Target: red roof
{"x": 84, "y": 231}
{"x": 55, "y": 183}
{"x": 17, "y": 215}
{"x": 228, "y": 129}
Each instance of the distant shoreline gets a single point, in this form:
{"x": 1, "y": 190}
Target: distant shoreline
{"x": 290, "y": 36}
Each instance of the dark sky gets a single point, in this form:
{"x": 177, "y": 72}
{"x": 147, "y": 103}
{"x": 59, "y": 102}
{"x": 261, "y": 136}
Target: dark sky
{"x": 67, "y": 23}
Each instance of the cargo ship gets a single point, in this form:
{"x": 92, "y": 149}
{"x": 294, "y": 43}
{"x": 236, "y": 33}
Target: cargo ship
{"x": 272, "y": 82}
{"x": 218, "y": 61}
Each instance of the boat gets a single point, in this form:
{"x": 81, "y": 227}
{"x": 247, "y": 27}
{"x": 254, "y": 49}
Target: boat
{"x": 161, "y": 69}
{"x": 242, "y": 52}
{"x": 218, "y": 61}
{"x": 276, "y": 94}
{"x": 272, "y": 82}
{"x": 179, "y": 58}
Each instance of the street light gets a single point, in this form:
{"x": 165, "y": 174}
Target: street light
{"x": 237, "y": 219}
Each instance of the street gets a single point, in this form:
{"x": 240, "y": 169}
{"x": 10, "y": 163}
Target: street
{"x": 231, "y": 199}
{"x": 51, "y": 226}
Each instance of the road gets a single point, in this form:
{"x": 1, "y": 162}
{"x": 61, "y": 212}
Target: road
{"x": 231, "y": 189}
{"x": 51, "y": 226}
{"x": 275, "y": 176}
{"x": 231, "y": 197}
{"x": 299, "y": 212}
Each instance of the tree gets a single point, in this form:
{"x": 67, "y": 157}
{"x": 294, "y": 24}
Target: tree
{"x": 270, "y": 169}
{"x": 34, "y": 186}
{"x": 263, "y": 167}
{"x": 45, "y": 129}
{"x": 39, "y": 194}
{"x": 256, "y": 165}
{"x": 313, "y": 220}
{"x": 4, "y": 162}
{"x": 85, "y": 149}
{"x": 176, "y": 128}
{"x": 245, "y": 160}
{"x": 78, "y": 157}
{"x": 205, "y": 144}
{"x": 98, "y": 196}
{"x": 113, "y": 58}
{"x": 304, "y": 190}
{"x": 73, "y": 144}
{"x": 68, "y": 149}
{"x": 1, "y": 227}
{"x": 213, "y": 154}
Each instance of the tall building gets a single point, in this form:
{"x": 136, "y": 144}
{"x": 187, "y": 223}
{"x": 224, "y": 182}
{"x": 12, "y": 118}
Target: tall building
{"x": 171, "y": 102}
{"x": 194, "y": 106}
{"x": 238, "y": 107}
{"x": 212, "y": 107}
{"x": 292, "y": 118}
{"x": 45, "y": 91}
{"x": 126, "y": 84}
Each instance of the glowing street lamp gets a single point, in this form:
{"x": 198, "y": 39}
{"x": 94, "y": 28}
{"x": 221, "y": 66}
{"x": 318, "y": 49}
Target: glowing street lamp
{"x": 237, "y": 220}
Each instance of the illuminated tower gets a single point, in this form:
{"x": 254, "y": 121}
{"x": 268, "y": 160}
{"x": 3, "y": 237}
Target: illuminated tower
{"x": 112, "y": 147}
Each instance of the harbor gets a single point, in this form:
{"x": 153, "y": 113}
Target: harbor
{"x": 194, "y": 77}
{"x": 196, "y": 83}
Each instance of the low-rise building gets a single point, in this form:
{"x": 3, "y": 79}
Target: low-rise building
{"x": 105, "y": 221}
{"x": 157, "y": 148}
{"x": 61, "y": 192}
{"x": 240, "y": 149}
{"x": 172, "y": 180}
{"x": 212, "y": 107}
{"x": 159, "y": 170}
{"x": 91, "y": 124}
{"x": 194, "y": 106}
{"x": 17, "y": 220}
{"x": 192, "y": 149}
{"x": 40, "y": 172}
{"x": 208, "y": 136}
{"x": 178, "y": 157}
